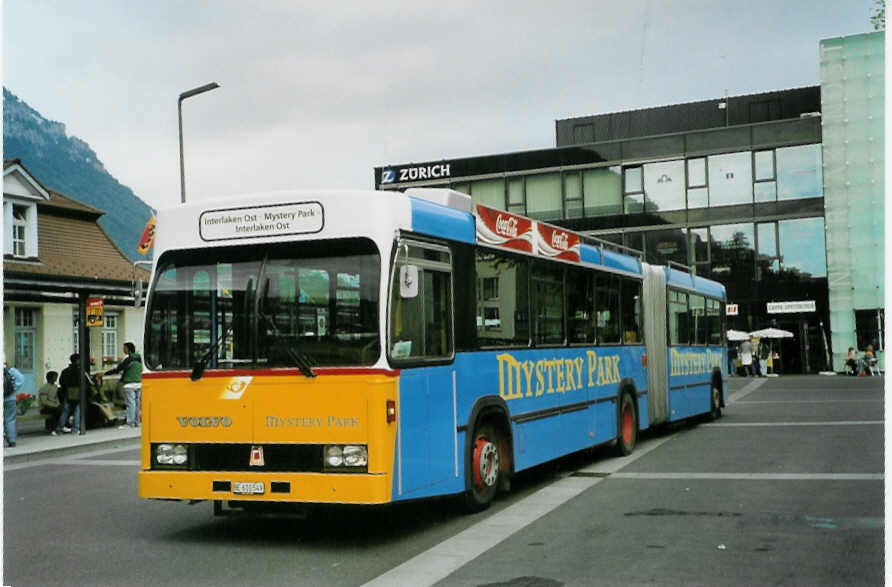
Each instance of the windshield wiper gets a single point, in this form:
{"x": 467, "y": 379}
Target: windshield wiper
{"x": 301, "y": 360}
{"x": 202, "y": 363}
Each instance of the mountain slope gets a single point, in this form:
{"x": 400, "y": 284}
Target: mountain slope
{"x": 68, "y": 165}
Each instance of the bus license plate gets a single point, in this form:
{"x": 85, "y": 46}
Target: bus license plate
{"x": 247, "y": 487}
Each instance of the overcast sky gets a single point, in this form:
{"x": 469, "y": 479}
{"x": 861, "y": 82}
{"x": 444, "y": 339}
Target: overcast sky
{"x": 316, "y": 94}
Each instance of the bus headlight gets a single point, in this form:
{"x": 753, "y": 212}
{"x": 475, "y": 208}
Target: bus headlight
{"x": 171, "y": 455}
{"x": 346, "y": 458}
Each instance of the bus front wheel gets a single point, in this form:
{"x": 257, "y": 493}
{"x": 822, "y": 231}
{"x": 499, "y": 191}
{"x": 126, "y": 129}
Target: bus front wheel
{"x": 485, "y": 469}
{"x": 628, "y": 426}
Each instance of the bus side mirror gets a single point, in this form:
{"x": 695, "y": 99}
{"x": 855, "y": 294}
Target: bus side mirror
{"x": 409, "y": 281}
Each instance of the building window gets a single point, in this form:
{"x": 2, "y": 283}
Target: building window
{"x": 633, "y": 190}
{"x": 663, "y": 246}
{"x": 699, "y": 250}
{"x": 730, "y": 179}
{"x": 515, "y": 196}
{"x": 732, "y": 247}
{"x": 698, "y": 193}
{"x": 799, "y": 173}
{"x": 490, "y": 288}
{"x": 489, "y": 192}
{"x": 19, "y": 230}
{"x": 573, "y": 195}
{"x": 24, "y": 338}
{"x": 110, "y": 338}
{"x": 664, "y": 186}
{"x": 765, "y": 186}
{"x": 801, "y": 244}
{"x": 767, "y": 261}
{"x": 602, "y": 191}
{"x": 544, "y": 196}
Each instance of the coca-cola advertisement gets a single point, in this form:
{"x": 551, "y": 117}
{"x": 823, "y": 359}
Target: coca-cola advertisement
{"x": 500, "y": 228}
{"x": 556, "y": 243}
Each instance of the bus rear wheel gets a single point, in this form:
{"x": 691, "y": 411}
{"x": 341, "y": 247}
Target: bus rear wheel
{"x": 485, "y": 469}
{"x": 627, "y": 437}
{"x": 716, "y": 403}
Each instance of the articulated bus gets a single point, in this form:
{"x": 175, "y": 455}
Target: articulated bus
{"x": 363, "y": 347}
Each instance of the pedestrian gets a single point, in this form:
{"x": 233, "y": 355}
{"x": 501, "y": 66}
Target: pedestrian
{"x": 48, "y": 399}
{"x": 746, "y": 357}
{"x": 852, "y": 361}
{"x": 13, "y": 380}
{"x": 131, "y": 382}
{"x": 70, "y": 382}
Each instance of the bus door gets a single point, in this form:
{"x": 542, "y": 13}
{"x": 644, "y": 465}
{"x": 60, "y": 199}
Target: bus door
{"x": 420, "y": 344}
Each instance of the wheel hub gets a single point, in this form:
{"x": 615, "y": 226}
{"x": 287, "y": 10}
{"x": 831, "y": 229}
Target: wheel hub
{"x": 486, "y": 463}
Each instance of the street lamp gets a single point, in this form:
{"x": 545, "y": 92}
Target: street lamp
{"x": 183, "y": 96}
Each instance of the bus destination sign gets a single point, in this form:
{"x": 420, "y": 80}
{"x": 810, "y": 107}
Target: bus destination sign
{"x": 261, "y": 221}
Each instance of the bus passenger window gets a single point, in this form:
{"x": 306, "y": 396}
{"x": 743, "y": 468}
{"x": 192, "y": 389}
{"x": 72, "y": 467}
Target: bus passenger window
{"x": 580, "y": 306}
{"x": 548, "y": 304}
{"x": 607, "y": 308}
{"x": 714, "y": 321}
{"x": 631, "y": 303}
{"x": 678, "y": 317}
{"x": 503, "y": 317}
{"x": 698, "y": 319}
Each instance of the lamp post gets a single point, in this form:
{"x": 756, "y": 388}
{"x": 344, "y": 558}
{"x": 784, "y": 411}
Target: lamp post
{"x": 183, "y": 96}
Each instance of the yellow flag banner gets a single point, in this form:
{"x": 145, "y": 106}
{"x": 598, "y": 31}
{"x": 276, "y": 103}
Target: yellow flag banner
{"x": 148, "y": 237}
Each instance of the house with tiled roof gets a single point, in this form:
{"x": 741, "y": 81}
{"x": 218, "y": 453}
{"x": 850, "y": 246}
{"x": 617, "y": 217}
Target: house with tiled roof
{"x": 56, "y": 257}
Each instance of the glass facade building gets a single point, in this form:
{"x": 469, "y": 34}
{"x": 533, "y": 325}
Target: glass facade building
{"x": 732, "y": 187}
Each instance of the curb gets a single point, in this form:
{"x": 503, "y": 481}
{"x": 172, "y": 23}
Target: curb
{"x": 51, "y": 453}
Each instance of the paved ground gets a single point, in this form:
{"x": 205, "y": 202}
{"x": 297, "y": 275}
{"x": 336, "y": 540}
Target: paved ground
{"x": 786, "y": 488}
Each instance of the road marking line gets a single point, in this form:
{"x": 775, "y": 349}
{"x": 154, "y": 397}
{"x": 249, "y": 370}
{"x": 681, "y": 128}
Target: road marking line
{"x": 757, "y": 424}
{"x": 812, "y": 401}
{"x": 757, "y": 476}
{"x": 453, "y": 553}
{"x": 747, "y": 389}
{"x": 72, "y": 459}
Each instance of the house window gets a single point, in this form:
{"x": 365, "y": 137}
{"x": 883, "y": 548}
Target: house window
{"x": 19, "y": 230}
{"x": 110, "y": 338}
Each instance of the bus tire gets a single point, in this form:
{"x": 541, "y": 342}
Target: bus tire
{"x": 485, "y": 468}
{"x": 715, "y": 398}
{"x": 627, "y": 433}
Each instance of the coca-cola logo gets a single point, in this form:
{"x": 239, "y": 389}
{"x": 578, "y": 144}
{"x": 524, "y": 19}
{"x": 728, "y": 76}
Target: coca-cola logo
{"x": 506, "y": 226}
{"x": 560, "y": 240}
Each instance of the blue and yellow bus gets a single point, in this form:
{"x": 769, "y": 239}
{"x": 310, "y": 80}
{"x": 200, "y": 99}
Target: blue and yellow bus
{"x": 362, "y": 347}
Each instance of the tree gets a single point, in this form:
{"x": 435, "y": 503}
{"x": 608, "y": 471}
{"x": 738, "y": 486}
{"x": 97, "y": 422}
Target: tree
{"x": 878, "y": 18}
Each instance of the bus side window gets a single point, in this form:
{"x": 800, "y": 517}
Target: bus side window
{"x": 678, "y": 317}
{"x": 714, "y": 321}
{"x": 698, "y": 319}
{"x": 631, "y": 303}
{"x": 607, "y": 311}
{"x": 580, "y": 306}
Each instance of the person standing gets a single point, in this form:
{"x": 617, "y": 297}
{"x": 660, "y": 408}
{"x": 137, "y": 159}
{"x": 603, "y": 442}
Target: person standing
{"x": 48, "y": 398}
{"x": 13, "y": 380}
{"x": 70, "y": 382}
{"x": 746, "y": 357}
{"x": 131, "y": 380}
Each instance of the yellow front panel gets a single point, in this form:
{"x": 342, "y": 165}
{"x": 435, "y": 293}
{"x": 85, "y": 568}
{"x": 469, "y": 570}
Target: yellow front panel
{"x": 271, "y": 409}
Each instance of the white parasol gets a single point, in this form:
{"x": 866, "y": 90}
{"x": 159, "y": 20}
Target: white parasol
{"x": 771, "y": 333}
{"x": 735, "y": 335}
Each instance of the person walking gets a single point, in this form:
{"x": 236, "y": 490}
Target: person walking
{"x": 13, "y": 380}
{"x": 70, "y": 382}
{"x": 131, "y": 380}
{"x": 746, "y": 357}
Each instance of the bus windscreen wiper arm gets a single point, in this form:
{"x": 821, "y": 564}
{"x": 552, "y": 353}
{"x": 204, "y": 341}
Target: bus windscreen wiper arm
{"x": 301, "y": 360}
{"x": 199, "y": 367}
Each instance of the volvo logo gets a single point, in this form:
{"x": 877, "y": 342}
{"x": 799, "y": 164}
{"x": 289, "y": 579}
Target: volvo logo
{"x": 205, "y": 421}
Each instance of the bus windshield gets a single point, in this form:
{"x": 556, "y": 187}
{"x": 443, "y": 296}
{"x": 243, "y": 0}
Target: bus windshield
{"x": 263, "y": 306}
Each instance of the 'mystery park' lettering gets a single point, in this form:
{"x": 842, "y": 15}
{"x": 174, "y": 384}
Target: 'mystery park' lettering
{"x": 519, "y": 379}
